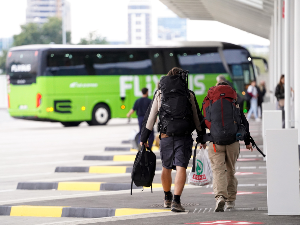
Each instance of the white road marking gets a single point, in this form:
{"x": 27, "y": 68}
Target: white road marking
{"x": 8, "y": 190}
{"x": 43, "y": 163}
{"x": 25, "y": 175}
{"x": 115, "y": 218}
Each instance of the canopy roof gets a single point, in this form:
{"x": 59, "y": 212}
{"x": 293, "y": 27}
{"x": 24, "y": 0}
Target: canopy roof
{"x": 253, "y": 16}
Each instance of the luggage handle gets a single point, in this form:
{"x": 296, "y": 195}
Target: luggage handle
{"x": 194, "y": 158}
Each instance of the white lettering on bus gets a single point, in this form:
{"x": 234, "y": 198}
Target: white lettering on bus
{"x": 83, "y": 85}
{"x": 133, "y": 82}
{"x": 124, "y": 85}
{"x": 199, "y": 84}
{"x": 20, "y": 68}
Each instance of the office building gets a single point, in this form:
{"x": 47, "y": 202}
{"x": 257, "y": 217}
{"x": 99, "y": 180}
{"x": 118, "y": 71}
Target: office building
{"x": 171, "y": 29}
{"x": 38, "y": 11}
{"x": 6, "y": 43}
{"x": 139, "y": 22}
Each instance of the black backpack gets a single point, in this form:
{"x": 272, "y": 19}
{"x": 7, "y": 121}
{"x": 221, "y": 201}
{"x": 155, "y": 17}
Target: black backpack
{"x": 143, "y": 168}
{"x": 175, "y": 114}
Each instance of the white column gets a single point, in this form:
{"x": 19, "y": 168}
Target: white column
{"x": 279, "y": 42}
{"x": 283, "y": 172}
{"x": 64, "y": 38}
{"x": 287, "y": 86}
{"x": 271, "y": 61}
{"x": 297, "y": 65}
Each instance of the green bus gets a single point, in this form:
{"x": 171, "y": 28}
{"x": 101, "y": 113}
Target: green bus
{"x": 93, "y": 83}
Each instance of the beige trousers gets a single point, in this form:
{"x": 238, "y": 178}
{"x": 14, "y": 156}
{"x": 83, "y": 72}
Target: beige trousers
{"x": 223, "y": 167}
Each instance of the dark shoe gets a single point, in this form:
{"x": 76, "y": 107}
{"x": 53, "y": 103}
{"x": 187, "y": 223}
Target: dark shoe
{"x": 168, "y": 202}
{"x": 177, "y": 207}
{"x": 220, "y": 204}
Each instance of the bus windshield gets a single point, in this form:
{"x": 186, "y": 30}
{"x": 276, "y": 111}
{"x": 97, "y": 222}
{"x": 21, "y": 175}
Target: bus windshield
{"x": 22, "y": 67}
{"x": 240, "y": 65}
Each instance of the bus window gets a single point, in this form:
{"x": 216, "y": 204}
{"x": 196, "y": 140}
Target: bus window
{"x": 21, "y": 66}
{"x": 101, "y": 62}
{"x": 170, "y": 60}
{"x": 68, "y": 63}
{"x": 201, "y": 60}
{"x": 127, "y": 62}
{"x": 158, "y": 64}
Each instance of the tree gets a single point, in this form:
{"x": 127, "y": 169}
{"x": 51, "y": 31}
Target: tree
{"x": 33, "y": 33}
{"x": 3, "y": 61}
{"x": 93, "y": 39}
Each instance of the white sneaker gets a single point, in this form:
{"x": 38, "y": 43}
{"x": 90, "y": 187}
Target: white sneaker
{"x": 257, "y": 119}
{"x": 230, "y": 205}
{"x": 220, "y": 204}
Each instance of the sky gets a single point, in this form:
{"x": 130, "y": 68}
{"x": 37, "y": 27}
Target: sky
{"x": 109, "y": 19}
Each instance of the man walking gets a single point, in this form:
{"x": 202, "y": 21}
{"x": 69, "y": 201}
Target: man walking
{"x": 179, "y": 115}
{"x": 224, "y": 147}
{"x": 140, "y": 106}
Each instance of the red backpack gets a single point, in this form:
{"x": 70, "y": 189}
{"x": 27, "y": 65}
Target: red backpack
{"x": 221, "y": 114}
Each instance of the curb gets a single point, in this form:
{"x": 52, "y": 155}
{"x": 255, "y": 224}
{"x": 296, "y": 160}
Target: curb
{"x": 62, "y": 211}
{"x": 75, "y": 186}
{"x": 96, "y": 169}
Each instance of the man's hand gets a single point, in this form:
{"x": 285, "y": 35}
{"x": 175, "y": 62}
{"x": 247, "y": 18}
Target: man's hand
{"x": 203, "y": 146}
{"x": 249, "y": 147}
{"x": 146, "y": 144}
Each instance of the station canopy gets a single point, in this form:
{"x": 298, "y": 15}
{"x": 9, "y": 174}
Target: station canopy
{"x": 253, "y": 16}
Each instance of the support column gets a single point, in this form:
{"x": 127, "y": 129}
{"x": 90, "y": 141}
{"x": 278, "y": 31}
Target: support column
{"x": 279, "y": 42}
{"x": 297, "y": 65}
{"x": 287, "y": 85}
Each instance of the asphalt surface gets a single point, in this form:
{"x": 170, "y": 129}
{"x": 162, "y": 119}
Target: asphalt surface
{"x": 30, "y": 152}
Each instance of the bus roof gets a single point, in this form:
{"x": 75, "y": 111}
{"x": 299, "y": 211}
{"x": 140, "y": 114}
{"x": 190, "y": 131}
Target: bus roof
{"x": 163, "y": 45}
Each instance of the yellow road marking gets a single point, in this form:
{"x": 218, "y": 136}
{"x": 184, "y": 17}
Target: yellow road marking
{"x": 107, "y": 169}
{"x": 37, "y": 211}
{"x": 130, "y": 158}
{"x": 79, "y": 186}
{"x": 129, "y": 211}
{"x": 133, "y": 150}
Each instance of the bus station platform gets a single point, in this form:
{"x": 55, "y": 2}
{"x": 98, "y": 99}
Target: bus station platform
{"x": 33, "y": 191}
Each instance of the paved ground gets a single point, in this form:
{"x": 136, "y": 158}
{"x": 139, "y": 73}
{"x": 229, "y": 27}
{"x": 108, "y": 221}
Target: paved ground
{"x": 30, "y": 152}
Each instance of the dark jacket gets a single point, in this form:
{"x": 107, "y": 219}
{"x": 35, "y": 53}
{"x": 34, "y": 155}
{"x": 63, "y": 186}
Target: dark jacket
{"x": 279, "y": 92}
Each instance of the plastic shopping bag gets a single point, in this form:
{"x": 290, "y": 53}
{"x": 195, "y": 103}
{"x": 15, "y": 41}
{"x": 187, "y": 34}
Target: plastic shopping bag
{"x": 201, "y": 172}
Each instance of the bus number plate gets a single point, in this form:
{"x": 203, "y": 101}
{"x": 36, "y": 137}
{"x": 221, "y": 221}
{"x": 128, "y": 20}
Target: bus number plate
{"x": 22, "y": 107}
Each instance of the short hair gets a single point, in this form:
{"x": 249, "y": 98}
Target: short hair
{"x": 174, "y": 71}
{"x": 221, "y": 77}
{"x": 144, "y": 90}
{"x": 222, "y": 83}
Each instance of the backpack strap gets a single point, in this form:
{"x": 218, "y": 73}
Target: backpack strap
{"x": 131, "y": 185}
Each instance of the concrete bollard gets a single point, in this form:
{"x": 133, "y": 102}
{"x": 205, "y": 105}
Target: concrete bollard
{"x": 283, "y": 172}
{"x": 268, "y": 106}
{"x": 271, "y": 120}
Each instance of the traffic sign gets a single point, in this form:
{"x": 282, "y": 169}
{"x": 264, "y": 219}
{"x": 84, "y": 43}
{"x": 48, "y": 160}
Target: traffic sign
{"x": 226, "y": 222}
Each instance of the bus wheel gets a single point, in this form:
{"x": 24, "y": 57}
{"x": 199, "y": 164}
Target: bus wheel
{"x": 101, "y": 115}
{"x": 70, "y": 124}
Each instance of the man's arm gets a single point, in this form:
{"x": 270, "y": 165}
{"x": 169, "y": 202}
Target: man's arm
{"x": 131, "y": 111}
{"x": 198, "y": 118}
{"x": 150, "y": 118}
